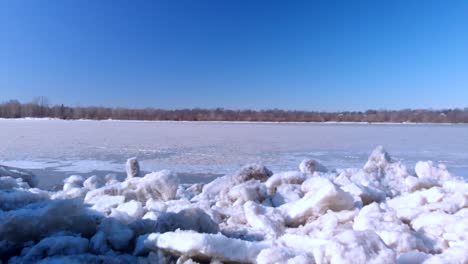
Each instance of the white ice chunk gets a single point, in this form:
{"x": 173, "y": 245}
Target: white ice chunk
{"x": 73, "y": 181}
{"x": 286, "y": 193}
{"x": 289, "y": 177}
{"x": 252, "y": 190}
{"x": 131, "y": 211}
{"x": 426, "y": 169}
{"x": 157, "y": 185}
{"x": 358, "y": 247}
{"x": 302, "y": 243}
{"x": 160, "y": 185}
{"x": 384, "y": 221}
{"x": 246, "y": 173}
{"x": 321, "y": 195}
{"x": 104, "y": 203}
{"x": 367, "y": 194}
{"x": 378, "y": 160}
{"x": 383, "y": 173}
{"x": 94, "y": 182}
{"x": 267, "y": 219}
{"x": 206, "y": 246}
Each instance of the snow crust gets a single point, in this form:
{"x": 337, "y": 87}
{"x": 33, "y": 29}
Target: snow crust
{"x": 380, "y": 213}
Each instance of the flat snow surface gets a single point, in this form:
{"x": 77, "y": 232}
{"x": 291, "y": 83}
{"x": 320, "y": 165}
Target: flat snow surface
{"x": 200, "y": 151}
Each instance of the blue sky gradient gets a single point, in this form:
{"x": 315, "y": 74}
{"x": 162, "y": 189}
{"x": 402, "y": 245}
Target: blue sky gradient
{"x": 307, "y": 55}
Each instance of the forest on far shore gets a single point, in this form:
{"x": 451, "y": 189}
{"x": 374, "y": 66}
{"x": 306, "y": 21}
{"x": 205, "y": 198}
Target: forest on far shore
{"x": 40, "y": 107}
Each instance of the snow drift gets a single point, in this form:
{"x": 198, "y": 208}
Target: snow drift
{"x": 381, "y": 213}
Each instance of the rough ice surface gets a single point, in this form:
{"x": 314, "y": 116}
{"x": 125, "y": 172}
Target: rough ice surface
{"x": 380, "y": 213}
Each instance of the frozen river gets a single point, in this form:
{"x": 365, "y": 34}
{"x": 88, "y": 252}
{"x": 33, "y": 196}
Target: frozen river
{"x": 54, "y": 149}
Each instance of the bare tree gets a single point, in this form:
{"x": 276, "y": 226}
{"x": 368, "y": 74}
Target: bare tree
{"x": 40, "y": 107}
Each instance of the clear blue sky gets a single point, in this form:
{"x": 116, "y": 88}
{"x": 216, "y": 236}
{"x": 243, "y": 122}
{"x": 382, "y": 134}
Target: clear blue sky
{"x": 309, "y": 55}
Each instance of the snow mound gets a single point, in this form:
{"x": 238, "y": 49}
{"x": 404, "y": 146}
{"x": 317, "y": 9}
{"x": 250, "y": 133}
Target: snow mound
{"x": 380, "y": 213}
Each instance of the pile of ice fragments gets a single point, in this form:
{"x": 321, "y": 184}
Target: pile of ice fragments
{"x": 378, "y": 214}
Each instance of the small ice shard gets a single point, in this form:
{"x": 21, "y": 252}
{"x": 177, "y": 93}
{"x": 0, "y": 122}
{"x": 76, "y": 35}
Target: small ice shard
{"x": 133, "y": 168}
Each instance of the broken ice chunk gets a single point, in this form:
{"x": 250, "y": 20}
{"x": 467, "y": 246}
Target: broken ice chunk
{"x": 206, "y": 246}
{"x": 321, "y": 195}
{"x": 133, "y": 168}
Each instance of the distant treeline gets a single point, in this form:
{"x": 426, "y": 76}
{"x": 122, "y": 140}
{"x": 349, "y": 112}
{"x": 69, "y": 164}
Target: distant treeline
{"x": 40, "y": 107}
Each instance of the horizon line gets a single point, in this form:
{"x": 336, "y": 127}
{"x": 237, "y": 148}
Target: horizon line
{"x": 78, "y": 105}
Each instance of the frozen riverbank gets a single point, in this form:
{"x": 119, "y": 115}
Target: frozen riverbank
{"x": 380, "y": 213}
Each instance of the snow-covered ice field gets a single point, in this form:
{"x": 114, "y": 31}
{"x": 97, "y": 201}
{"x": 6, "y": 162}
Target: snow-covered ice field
{"x": 56, "y": 148}
{"x": 323, "y": 197}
